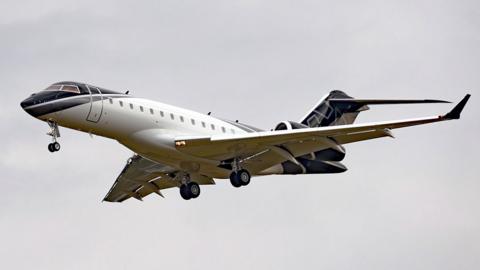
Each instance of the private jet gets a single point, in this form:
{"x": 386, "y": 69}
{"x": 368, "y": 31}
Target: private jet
{"x": 176, "y": 147}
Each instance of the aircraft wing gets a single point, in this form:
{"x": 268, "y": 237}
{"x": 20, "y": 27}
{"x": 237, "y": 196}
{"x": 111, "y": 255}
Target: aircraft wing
{"x": 255, "y": 145}
{"x": 141, "y": 177}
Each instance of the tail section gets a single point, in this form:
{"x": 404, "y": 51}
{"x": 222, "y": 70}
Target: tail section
{"x": 338, "y": 108}
{"x": 327, "y": 113}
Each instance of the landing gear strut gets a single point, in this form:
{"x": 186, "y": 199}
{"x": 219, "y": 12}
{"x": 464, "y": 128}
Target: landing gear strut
{"x": 54, "y": 133}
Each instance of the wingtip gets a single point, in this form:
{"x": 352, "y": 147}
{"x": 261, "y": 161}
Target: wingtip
{"x": 457, "y": 110}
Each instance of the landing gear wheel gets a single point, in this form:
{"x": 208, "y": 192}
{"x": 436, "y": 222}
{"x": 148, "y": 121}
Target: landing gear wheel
{"x": 190, "y": 191}
{"x": 184, "y": 192}
{"x": 56, "y": 146}
{"x": 193, "y": 190}
{"x": 235, "y": 180}
{"x": 243, "y": 177}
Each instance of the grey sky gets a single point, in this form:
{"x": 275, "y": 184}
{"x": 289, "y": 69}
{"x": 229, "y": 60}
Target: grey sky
{"x": 408, "y": 203}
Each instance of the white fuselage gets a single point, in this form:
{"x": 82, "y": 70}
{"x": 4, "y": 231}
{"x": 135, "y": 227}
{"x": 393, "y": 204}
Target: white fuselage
{"x": 148, "y": 128}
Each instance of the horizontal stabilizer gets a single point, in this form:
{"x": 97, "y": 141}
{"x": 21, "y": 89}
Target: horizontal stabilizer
{"x": 338, "y": 108}
{"x": 385, "y": 101}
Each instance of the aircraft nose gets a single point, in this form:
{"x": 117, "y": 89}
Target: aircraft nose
{"x": 28, "y": 102}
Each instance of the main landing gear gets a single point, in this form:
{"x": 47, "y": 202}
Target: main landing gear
{"x": 188, "y": 189}
{"x": 54, "y": 133}
{"x": 240, "y": 178}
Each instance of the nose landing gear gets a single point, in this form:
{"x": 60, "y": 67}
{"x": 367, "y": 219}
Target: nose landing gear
{"x": 54, "y": 147}
{"x": 54, "y": 133}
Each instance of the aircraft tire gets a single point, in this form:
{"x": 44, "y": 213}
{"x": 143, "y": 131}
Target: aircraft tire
{"x": 235, "y": 180}
{"x": 184, "y": 192}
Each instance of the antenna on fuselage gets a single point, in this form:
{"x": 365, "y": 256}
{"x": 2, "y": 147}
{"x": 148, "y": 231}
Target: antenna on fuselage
{"x": 128, "y": 91}
{"x": 209, "y": 113}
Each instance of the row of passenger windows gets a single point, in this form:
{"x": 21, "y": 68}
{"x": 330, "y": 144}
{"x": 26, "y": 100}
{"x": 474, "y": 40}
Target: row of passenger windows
{"x": 172, "y": 116}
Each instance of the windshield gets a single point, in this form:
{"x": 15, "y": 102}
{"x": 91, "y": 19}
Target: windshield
{"x": 63, "y": 88}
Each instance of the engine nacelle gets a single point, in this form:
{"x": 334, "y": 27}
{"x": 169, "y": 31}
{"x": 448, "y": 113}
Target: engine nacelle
{"x": 289, "y": 125}
{"x": 312, "y": 167}
{"x": 336, "y": 152}
{"x": 331, "y": 154}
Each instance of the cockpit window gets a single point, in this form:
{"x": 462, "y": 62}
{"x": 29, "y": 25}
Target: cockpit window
{"x": 64, "y": 88}
{"x": 71, "y": 88}
{"x": 54, "y": 87}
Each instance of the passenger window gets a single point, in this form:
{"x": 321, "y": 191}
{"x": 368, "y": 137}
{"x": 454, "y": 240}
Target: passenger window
{"x": 110, "y": 100}
{"x": 172, "y": 116}
{"x": 151, "y": 111}
{"x": 141, "y": 108}
{"x": 213, "y": 126}
{"x": 181, "y": 118}
{"x": 193, "y": 122}
{"x": 203, "y": 124}
{"x": 121, "y": 103}
{"x": 131, "y": 106}
{"x": 223, "y": 129}
{"x": 162, "y": 114}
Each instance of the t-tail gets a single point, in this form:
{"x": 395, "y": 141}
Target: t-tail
{"x": 338, "y": 108}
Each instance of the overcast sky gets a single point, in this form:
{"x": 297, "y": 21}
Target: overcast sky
{"x": 408, "y": 203}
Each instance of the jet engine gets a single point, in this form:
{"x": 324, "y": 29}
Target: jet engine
{"x": 323, "y": 161}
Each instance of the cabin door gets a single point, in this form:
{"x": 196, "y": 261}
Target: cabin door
{"x": 96, "y": 104}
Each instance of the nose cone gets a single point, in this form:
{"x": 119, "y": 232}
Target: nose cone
{"x": 28, "y": 103}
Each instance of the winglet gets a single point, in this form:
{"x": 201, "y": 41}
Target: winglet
{"x": 455, "y": 113}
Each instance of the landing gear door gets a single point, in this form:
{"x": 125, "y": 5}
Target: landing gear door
{"x": 96, "y": 104}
